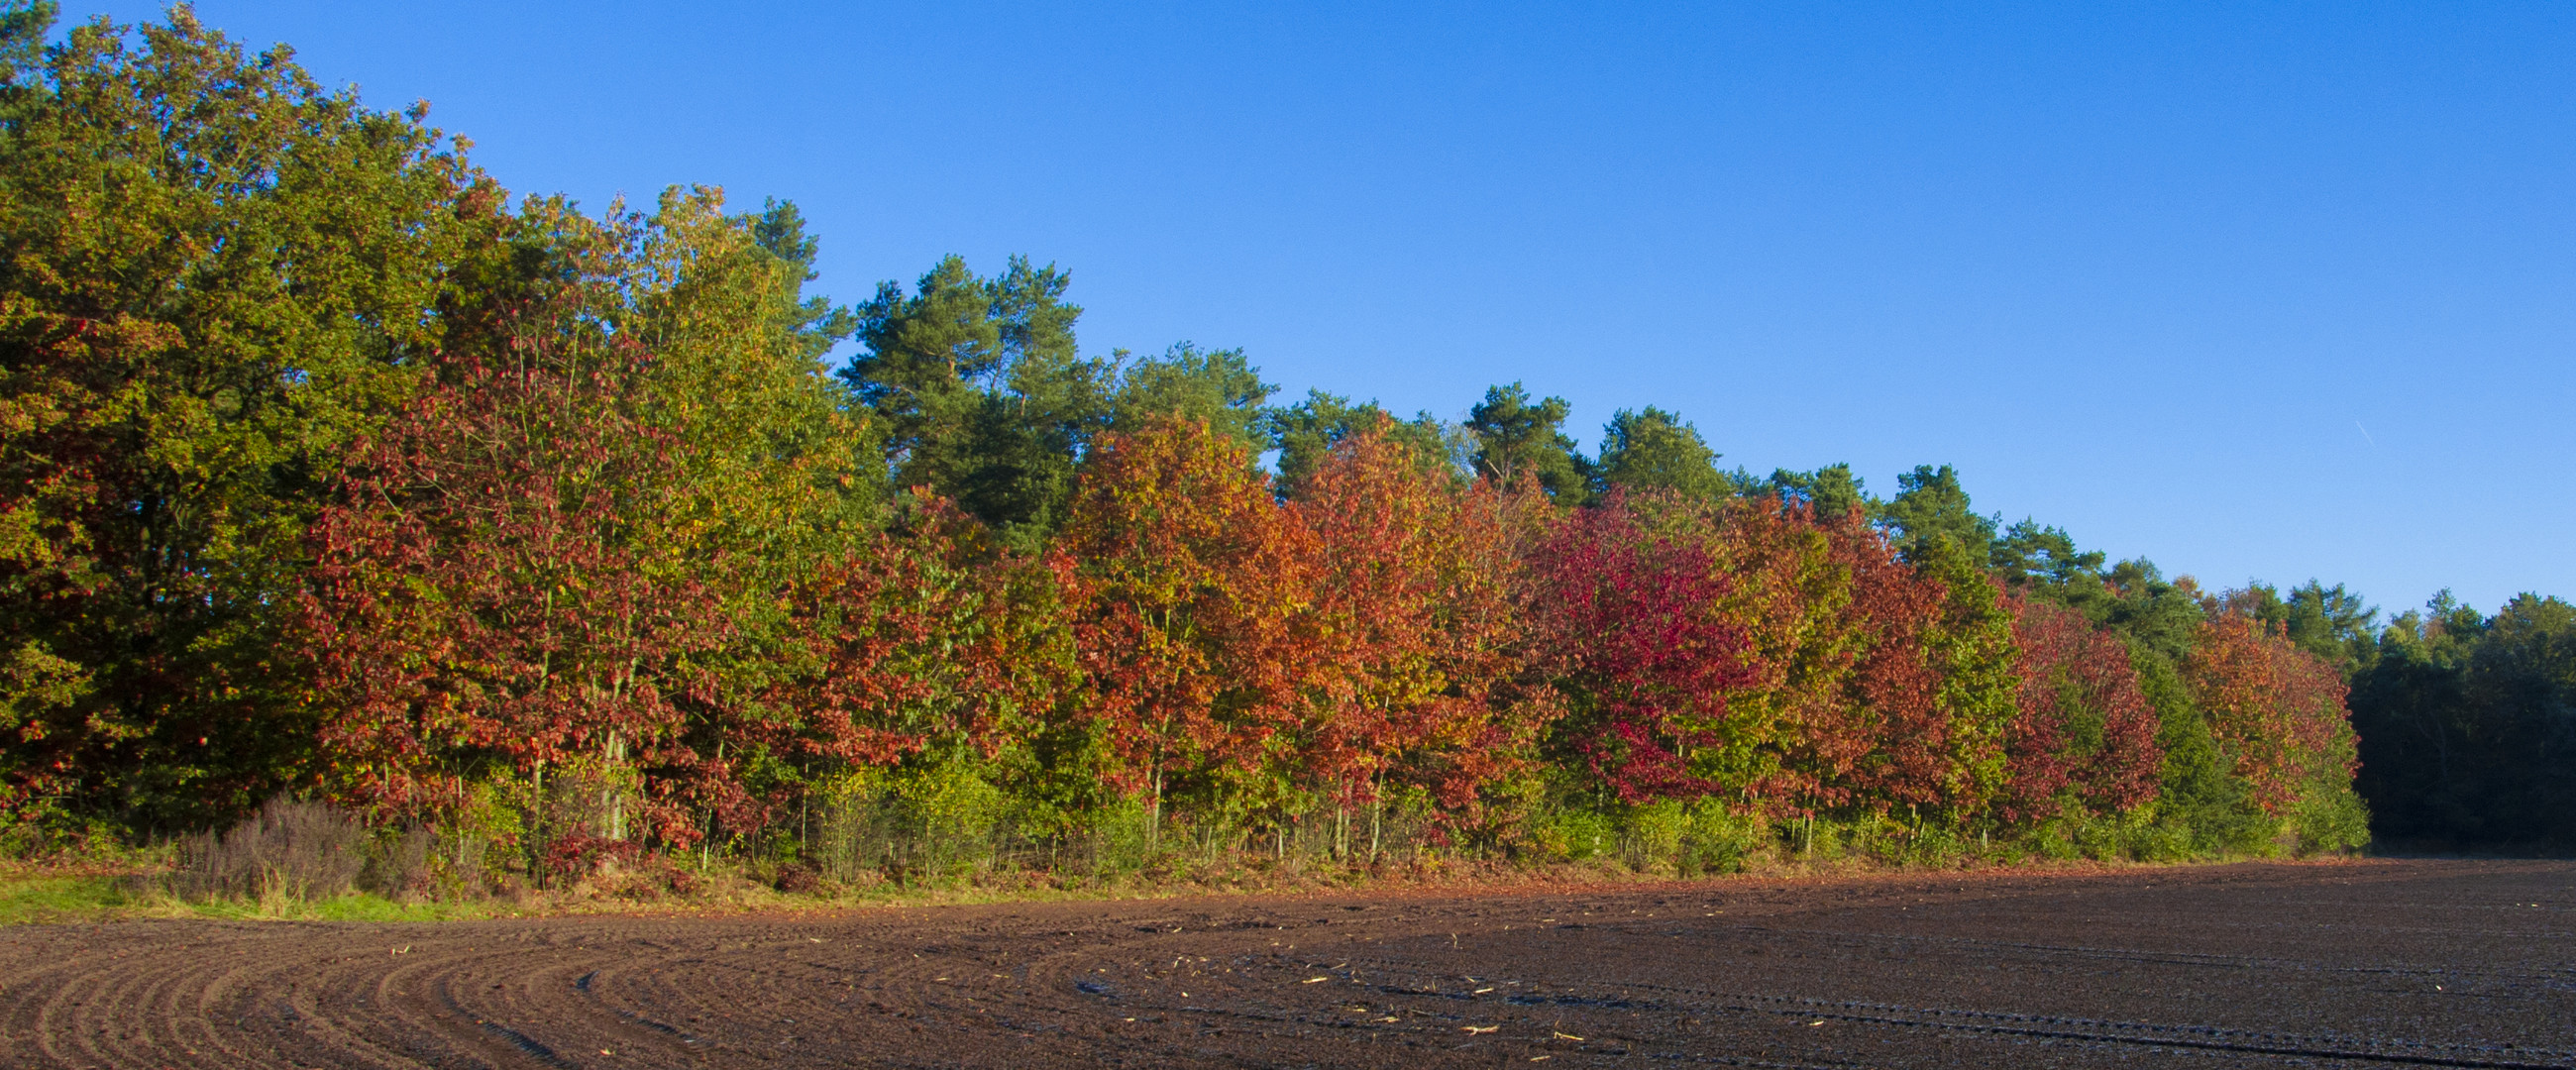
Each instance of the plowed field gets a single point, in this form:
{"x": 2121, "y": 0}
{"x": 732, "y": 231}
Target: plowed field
{"x": 2467, "y": 964}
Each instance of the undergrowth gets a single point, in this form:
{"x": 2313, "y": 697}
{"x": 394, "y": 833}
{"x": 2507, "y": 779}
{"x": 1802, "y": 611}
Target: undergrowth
{"x": 305, "y": 861}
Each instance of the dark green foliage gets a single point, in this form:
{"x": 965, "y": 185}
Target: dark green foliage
{"x": 1651, "y": 449}
{"x": 2044, "y": 561}
{"x": 779, "y": 230}
{"x": 2152, "y": 610}
{"x": 2208, "y": 808}
{"x": 1833, "y": 491}
{"x": 979, "y": 392}
{"x": 2468, "y": 725}
{"x": 1306, "y": 432}
{"x": 1518, "y": 440}
{"x": 2331, "y": 623}
{"x": 1218, "y": 386}
{"x": 1931, "y": 507}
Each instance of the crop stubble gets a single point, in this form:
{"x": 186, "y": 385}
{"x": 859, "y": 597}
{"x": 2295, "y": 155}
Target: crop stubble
{"x": 2383, "y": 963}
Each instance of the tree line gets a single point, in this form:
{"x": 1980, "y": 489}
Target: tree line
{"x": 328, "y": 470}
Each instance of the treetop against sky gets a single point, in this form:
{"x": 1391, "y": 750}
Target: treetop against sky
{"x": 2233, "y": 288}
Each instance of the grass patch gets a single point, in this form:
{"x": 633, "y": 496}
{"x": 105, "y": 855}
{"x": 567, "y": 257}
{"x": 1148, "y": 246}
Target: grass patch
{"x": 26, "y": 899}
{"x": 354, "y": 906}
{"x": 41, "y": 898}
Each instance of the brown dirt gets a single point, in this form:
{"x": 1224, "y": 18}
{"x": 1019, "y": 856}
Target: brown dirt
{"x": 2390, "y": 963}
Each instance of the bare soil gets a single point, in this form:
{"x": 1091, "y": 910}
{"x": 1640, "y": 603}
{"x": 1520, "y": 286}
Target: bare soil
{"x": 2383, "y": 963}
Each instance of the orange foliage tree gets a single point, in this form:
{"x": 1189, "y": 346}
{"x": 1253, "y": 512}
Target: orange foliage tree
{"x": 1796, "y": 735}
{"x": 2085, "y": 736}
{"x": 1420, "y": 628}
{"x": 1191, "y": 589}
{"x": 2276, "y": 711}
{"x": 488, "y": 595}
{"x": 928, "y": 636}
{"x": 1873, "y": 734}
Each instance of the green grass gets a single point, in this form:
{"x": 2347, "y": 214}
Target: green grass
{"x": 355, "y": 906}
{"x": 54, "y": 899}
{"x": 25, "y": 900}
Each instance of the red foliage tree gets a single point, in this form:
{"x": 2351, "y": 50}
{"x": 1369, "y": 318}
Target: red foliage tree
{"x": 1419, "y": 625}
{"x": 2276, "y": 711}
{"x": 2085, "y": 735}
{"x": 1632, "y": 623}
{"x": 1191, "y": 587}
{"x": 1882, "y": 742}
{"x": 488, "y": 594}
{"x": 928, "y": 634}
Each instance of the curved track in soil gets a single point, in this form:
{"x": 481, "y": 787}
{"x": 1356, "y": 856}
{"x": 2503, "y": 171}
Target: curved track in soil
{"x": 2379, "y": 964}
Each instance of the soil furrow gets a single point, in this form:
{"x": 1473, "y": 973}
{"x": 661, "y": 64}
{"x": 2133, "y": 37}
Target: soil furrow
{"x": 2258, "y": 965}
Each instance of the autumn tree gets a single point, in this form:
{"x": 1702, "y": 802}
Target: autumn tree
{"x": 488, "y": 600}
{"x": 1936, "y": 689}
{"x": 2277, "y": 713}
{"x": 568, "y": 553}
{"x": 1885, "y": 744}
{"x": 1632, "y": 624}
{"x": 2084, "y": 738}
{"x": 1796, "y": 585}
{"x": 1421, "y": 630}
{"x": 928, "y": 643}
{"x": 1191, "y": 586}
{"x": 220, "y": 275}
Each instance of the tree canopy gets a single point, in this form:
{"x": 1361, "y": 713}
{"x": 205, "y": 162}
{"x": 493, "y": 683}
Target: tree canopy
{"x": 326, "y": 469}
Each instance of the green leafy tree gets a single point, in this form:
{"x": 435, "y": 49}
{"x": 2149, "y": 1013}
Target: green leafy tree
{"x": 2523, "y": 683}
{"x": 1971, "y": 647}
{"x": 2332, "y": 623}
{"x": 979, "y": 392}
{"x": 1931, "y": 507}
{"x": 2426, "y": 763}
{"x": 1832, "y": 491}
{"x": 2466, "y": 724}
{"x": 779, "y": 230}
{"x": 1651, "y": 449}
{"x": 219, "y": 275}
{"x": 767, "y": 469}
{"x": 1217, "y": 386}
{"x": 2044, "y": 561}
{"x": 1306, "y": 432}
{"x": 2162, "y": 614}
{"x": 1517, "y": 439}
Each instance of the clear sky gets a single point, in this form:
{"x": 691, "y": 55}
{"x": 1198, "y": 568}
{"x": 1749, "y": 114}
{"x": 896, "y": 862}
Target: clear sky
{"x": 2253, "y": 290}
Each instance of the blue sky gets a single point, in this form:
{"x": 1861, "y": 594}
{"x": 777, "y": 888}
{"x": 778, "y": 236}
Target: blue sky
{"x": 2256, "y": 291}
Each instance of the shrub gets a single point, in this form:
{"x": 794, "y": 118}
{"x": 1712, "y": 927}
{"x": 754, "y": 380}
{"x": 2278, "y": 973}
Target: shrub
{"x": 289, "y": 850}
